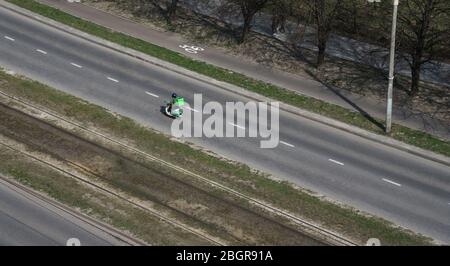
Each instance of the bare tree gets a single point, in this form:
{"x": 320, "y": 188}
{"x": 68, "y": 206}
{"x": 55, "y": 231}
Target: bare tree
{"x": 300, "y": 16}
{"x": 280, "y": 12}
{"x": 424, "y": 31}
{"x": 350, "y": 18}
{"x": 171, "y": 9}
{"x": 324, "y": 12}
{"x": 166, "y": 8}
{"x": 248, "y": 8}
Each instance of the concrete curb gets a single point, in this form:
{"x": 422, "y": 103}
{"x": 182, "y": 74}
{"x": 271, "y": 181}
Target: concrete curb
{"x": 232, "y": 88}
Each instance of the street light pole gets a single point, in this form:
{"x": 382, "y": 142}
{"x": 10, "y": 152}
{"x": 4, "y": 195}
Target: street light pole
{"x": 391, "y": 70}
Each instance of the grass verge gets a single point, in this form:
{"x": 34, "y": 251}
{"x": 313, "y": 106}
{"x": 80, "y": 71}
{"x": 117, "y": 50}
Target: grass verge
{"x": 235, "y": 175}
{"x": 399, "y": 132}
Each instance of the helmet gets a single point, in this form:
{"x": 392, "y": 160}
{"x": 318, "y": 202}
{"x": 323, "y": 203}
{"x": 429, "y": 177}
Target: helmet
{"x": 174, "y": 95}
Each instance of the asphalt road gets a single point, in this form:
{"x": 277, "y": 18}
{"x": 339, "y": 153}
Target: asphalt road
{"x": 398, "y": 186}
{"x": 295, "y": 82}
{"x": 26, "y": 220}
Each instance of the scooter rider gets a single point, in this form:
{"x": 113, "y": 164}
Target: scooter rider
{"x": 174, "y": 97}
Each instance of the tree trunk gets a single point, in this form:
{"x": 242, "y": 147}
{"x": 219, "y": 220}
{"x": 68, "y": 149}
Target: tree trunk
{"x": 415, "y": 78}
{"x": 416, "y": 65}
{"x": 355, "y": 17}
{"x": 321, "y": 23}
{"x": 171, "y": 9}
{"x": 246, "y": 28}
{"x": 275, "y": 22}
{"x": 321, "y": 53}
{"x": 322, "y": 37}
{"x": 248, "y": 10}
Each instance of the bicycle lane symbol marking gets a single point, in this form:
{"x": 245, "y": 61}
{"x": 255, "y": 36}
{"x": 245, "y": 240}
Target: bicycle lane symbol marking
{"x": 191, "y": 49}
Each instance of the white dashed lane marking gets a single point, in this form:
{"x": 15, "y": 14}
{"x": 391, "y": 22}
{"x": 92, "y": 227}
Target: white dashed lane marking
{"x": 191, "y": 109}
{"x": 115, "y": 80}
{"x": 236, "y": 125}
{"x": 392, "y": 182}
{"x": 75, "y": 65}
{"x": 336, "y": 162}
{"x": 287, "y": 144}
{"x": 9, "y": 38}
{"x": 151, "y": 94}
{"x": 41, "y": 51}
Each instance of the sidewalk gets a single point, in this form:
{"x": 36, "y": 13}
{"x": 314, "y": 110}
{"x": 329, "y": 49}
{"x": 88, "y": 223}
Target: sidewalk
{"x": 301, "y": 84}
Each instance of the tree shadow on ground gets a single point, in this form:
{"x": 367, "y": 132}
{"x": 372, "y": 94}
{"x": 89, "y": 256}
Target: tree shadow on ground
{"x": 358, "y": 79}
{"x": 205, "y": 28}
{"x": 348, "y": 101}
{"x": 275, "y": 45}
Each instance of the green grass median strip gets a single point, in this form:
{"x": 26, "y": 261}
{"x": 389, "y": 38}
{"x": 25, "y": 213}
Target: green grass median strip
{"x": 402, "y": 133}
{"x": 235, "y": 175}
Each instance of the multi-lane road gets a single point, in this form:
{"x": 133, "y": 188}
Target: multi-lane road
{"x": 26, "y": 219}
{"x": 404, "y": 188}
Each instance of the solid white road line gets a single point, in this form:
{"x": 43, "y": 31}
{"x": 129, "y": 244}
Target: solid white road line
{"x": 75, "y": 65}
{"x": 287, "y": 144}
{"x": 41, "y": 51}
{"x": 189, "y": 108}
{"x": 9, "y": 38}
{"x": 151, "y": 94}
{"x": 336, "y": 162}
{"x": 392, "y": 182}
{"x": 236, "y": 125}
{"x": 115, "y": 80}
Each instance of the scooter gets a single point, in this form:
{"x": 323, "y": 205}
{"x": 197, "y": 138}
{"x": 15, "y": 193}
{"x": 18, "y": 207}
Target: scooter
{"x": 176, "y": 111}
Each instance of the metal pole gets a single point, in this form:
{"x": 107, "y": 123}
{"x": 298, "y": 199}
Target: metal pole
{"x": 391, "y": 70}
